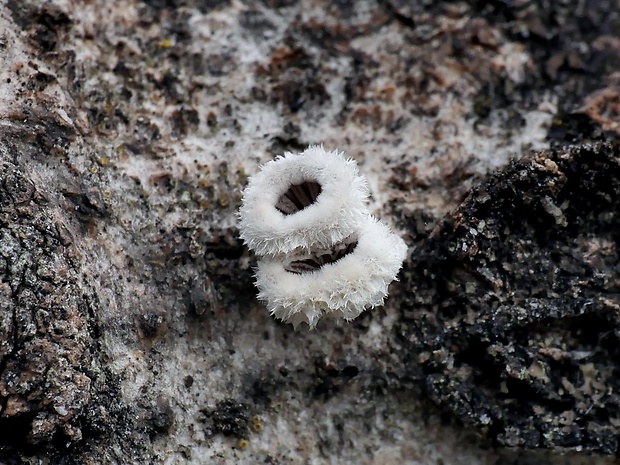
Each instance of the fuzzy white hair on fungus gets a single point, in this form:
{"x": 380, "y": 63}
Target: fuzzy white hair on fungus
{"x": 301, "y": 201}
{"x": 302, "y": 289}
{"x": 320, "y": 252}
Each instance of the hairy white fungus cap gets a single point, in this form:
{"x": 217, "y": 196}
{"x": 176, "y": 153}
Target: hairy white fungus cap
{"x": 320, "y": 251}
{"x": 312, "y": 199}
{"x": 340, "y": 284}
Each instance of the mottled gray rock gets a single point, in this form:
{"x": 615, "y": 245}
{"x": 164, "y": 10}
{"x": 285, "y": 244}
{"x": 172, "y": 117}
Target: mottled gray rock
{"x": 130, "y": 128}
{"x": 45, "y": 318}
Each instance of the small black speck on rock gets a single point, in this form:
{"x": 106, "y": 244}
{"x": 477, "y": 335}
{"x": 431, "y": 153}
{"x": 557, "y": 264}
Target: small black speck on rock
{"x": 87, "y": 205}
{"x": 229, "y": 418}
{"x": 43, "y": 23}
{"x": 151, "y": 324}
{"x": 162, "y": 417}
{"x": 513, "y": 314}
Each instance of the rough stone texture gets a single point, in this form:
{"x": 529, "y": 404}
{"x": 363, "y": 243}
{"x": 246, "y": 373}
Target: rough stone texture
{"x": 132, "y": 127}
{"x": 44, "y": 319}
{"x": 514, "y": 313}
{"x": 56, "y": 393}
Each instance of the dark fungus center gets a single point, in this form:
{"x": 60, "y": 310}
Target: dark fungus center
{"x": 298, "y": 197}
{"x": 316, "y": 260}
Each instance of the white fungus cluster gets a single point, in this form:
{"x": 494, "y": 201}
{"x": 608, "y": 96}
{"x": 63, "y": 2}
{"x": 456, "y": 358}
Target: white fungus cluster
{"x": 320, "y": 251}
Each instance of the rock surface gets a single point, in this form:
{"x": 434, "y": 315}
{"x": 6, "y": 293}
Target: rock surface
{"x": 129, "y": 330}
{"x": 514, "y": 306}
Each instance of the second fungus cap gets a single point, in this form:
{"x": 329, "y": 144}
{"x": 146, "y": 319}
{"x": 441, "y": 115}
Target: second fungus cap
{"x": 340, "y": 282}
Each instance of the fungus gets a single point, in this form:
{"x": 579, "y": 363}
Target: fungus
{"x": 315, "y": 198}
{"x": 320, "y": 251}
{"x": 341, "y": 288}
